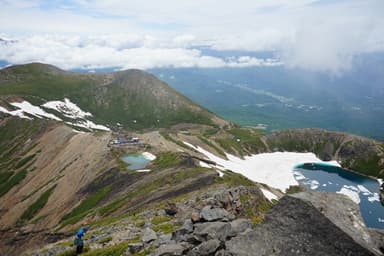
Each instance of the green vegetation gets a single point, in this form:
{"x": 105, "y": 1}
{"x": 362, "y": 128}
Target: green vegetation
{"x": 294, "y": 189}
{"x": 217, "y": 149}
{"x": 368, "y": 166}
{"x": 37, "y": 80}
{"x": 13, "y": 181}
{"x": 160, "y": 219}
{"x": 121, "y": 165}
{"x": 177, "y": 142}
{"x": 164, "y": 181}
{"x": 105, "y": 240}
{"x": 210, "y": 132}
{"x": 254, "y": 212}
{"x": 166, "y": 228}
{"x": 115, "y": 250}
{"x": 243, "y": 141}
{"x": 165, "y": 160}
{"x": 234, "y": 180}
{"x": 85, "y": 206}
{"x": 4, "y": 176}
{"x": 24, "y": 161}
{"x": 37, "y": 205}
{"x": 72, "y": 251}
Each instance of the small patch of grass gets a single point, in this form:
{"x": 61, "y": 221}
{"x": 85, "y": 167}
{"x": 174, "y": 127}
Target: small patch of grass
{"x": 5, "y": 175}
{"x": 72, "y": 251}
{"x": 217, "y": 149}
{"x": 210, "y": 132}
{"x": 234, "y": 179}
{"x": 294, "y": 189}
{"x": 166, "y": 228}
{"x": 37, "y": 205}
{"x": 121, "y": 165}
{"x": 160, "y": 219}
{"x": 115, "y": 250}
{"x": 177, "y": 142}
{"x": 85, "y": 206}
{"x": 13, "y": 181}
{"x": 105, "y": 240}
{"x": 24, "y": 161}
{"x": 166, "y": 160}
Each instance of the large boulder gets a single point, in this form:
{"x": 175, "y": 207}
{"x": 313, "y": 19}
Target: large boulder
{"x": 206, "y": 248}
{"x": 148, "y": 235}
{"x": 212, "y": 230}
{"x": 295, "y": 227}
{"x": 209, "y": 213}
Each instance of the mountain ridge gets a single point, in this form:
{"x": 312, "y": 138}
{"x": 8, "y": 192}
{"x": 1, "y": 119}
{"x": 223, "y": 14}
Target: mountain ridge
{"x": 55, "y": 178}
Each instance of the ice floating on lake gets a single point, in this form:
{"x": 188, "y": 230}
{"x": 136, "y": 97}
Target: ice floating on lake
{"x": 354, "y": 195}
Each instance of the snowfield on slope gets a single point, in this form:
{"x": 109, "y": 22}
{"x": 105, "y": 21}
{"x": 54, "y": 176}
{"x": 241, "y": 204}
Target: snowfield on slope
{"x": 274, "y": 169}
{"x": 66, "y": 108}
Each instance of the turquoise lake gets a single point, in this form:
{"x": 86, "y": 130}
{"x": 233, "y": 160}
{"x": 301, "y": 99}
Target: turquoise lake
{"x": 135, "y": 161}
{"x": 322, "y": 177}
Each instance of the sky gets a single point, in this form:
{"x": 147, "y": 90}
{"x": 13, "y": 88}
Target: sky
{"x": 318, "y": 35}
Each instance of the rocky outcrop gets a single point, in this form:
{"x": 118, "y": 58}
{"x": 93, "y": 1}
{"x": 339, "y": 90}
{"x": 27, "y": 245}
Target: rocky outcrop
{"x": 308, "y": 223}
{"x": 294, "y": 226}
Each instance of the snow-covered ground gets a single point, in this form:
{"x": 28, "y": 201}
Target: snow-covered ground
{"x": 273, "y": 169}
{"x": 269, "y": 195}
{"x": 149, "y": 156}
{"x": 66, "y": 108}
{"x": 28, "y": 108}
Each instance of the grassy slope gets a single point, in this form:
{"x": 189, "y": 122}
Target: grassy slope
{"x": 133, "y": 98}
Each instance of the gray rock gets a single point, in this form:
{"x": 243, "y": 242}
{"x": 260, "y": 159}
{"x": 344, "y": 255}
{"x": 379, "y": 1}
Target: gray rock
{"x": 183, "y": 234}
{"x": 169, "y": 250}
{"x": 134, "y": 248}
{"x": 208, "y": 213}
{"x": 220, "y": 253}
{"x": 295, "y": 227}
{"x": 188, "y": 225}
{"x": 165, "y": 239}
{"x": 206, "y": 248}
{"x": 148, "y": 235}
{"x": 240, "y": 225}
{"x": 212, "y": 230}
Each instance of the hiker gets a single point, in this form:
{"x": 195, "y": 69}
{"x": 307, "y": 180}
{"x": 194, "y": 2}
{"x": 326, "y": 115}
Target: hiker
{"x": 79, "y": 240}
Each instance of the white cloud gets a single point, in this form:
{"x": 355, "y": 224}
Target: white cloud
{"x": 114, "y": 51}
{"x": 311, "y": 34}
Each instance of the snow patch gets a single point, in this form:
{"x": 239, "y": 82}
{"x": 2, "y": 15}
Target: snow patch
{"x": 149, "y": 156}
{"x": 28, "y": 108}
{"x": 143, "y": 170}
{"x": 269, "y": 195}
{"x": 67, "y": 108}
{"x": 273, "y": 169}
{"x": 89, "y": 125}
{"x": 204, "y": 164}
{"x": 18, "y": 113}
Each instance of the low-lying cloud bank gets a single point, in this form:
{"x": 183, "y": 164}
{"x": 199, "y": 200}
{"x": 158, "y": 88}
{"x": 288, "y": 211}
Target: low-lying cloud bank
{"x": 121, "y": 52}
